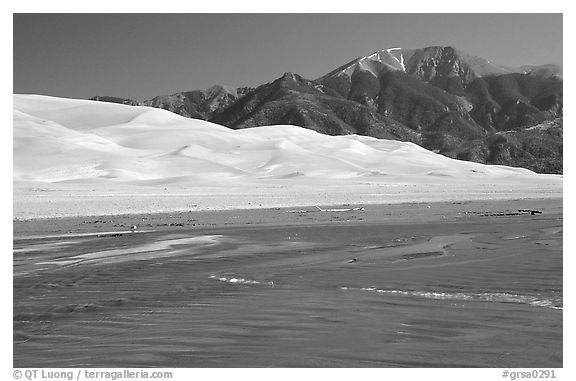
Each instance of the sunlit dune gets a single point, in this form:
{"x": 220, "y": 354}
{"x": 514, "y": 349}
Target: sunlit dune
{"x": 128, "y": 156}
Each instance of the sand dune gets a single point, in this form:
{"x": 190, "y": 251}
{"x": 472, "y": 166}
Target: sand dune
{"x": 78, "y": 144}
{"x": 91, "y": 140}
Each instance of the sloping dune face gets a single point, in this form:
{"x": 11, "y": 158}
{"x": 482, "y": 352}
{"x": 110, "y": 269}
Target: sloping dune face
{"x": 66, "y": 142}
{"x": 62, "y": 139}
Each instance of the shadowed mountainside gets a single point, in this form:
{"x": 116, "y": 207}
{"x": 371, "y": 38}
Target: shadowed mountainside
{"x": 441, "y": 98}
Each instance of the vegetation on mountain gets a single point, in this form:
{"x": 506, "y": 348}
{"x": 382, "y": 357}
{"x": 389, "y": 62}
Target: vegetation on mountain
{"x": 441, "y": 98}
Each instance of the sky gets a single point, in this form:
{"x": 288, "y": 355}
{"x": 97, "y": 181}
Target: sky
{"x": 139, "y": 56}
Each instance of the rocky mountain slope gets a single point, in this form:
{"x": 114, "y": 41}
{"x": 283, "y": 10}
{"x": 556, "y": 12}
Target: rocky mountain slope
{"x": 441, "y": 98}
{"x": 292, "y": 99}
{"x": 199, "y": 104}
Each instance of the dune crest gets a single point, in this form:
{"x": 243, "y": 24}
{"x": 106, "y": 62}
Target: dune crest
{"x": 80, "y": 143}
{"x": 104, "y": 142}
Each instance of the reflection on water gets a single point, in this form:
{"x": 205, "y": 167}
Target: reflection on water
{"x": 499, "y": 297}
{"x": 322, "y": 296}
{"x": 235, "y": 280}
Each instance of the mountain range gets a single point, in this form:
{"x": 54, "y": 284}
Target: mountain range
{"x": 441, "y": 98}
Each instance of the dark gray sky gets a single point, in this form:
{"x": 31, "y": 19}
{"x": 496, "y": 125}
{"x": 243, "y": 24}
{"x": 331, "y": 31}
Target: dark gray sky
{"x": 139, "y": 56}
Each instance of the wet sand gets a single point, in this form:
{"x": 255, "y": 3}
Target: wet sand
{"x": 452, "y": 284}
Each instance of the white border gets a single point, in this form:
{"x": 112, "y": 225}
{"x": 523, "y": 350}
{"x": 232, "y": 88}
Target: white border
{"x": 297, "y": 6}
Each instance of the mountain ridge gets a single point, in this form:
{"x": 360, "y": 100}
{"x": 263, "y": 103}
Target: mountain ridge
{"x": 441, "y": 98}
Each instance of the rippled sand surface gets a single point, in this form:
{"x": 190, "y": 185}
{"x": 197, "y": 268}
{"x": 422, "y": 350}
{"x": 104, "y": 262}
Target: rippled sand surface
{"x": 466, "y": 291}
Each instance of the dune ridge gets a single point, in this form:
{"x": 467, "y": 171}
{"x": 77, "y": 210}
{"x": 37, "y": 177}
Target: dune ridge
{"x": 80, "y": 148}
